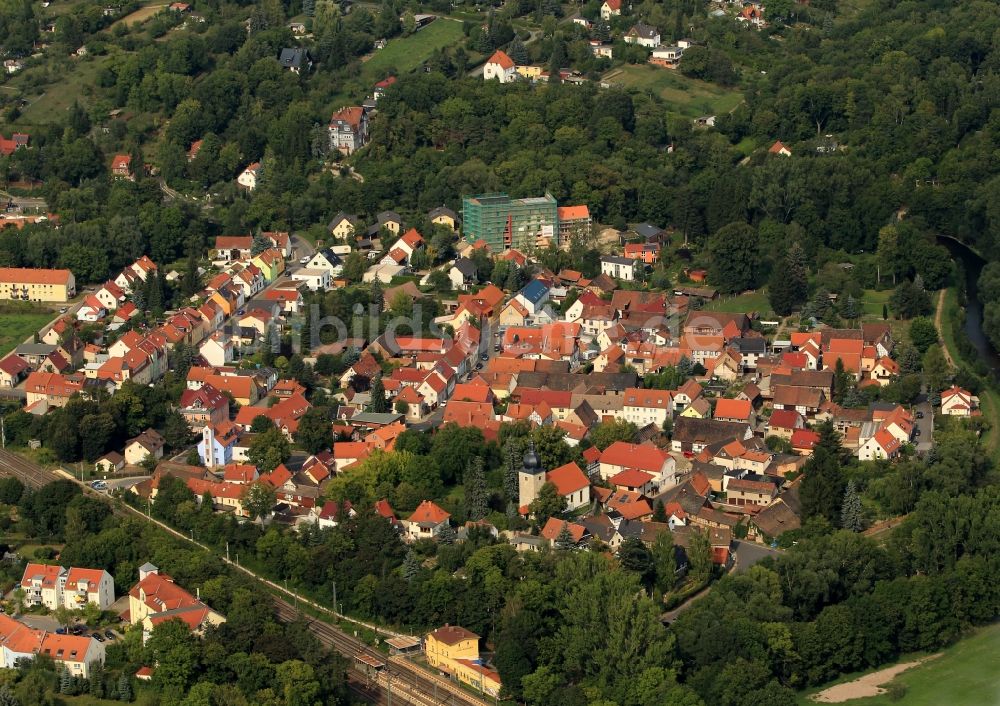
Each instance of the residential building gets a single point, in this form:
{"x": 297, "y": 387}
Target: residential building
{"x": 444, "y": 216}
{"x": 52, "y": 389}
{"x": 77, "y": 654}
{"x": 644, "y": 35}
{"x": 248, "y": 177}
{"x": 500, "y": 67}
{"x": 780, "y": 149}
{"x": 958, "y": 402}
{"x": 349, "y": 129}
{"x": 55, "y": 586}
{"x": 343, "y": 226}
{"x": 36, "y": 285}
{"x": 655, "y": 462}
{"x": 622, "y": 268}
{"x": 644, "y": 406}
{"x": 121, "y": 167}
{"x": 455, "y": 651}
{"x": 295, "y": 60}
{"x": 156, "y": 599}
{"x": 611, "y": 8}
{"x": 12, "y": 370}
{"x": 575, "y": 224}
{"x": 147, "y": 444}
{"x": 204, "y": 406}
{"x": 668, "y": 57}
{"x": 504, "y": 223}
{"x": 426, "y": 522}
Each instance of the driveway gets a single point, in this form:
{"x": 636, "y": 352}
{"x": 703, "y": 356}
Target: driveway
{"x": 749, "y": 553}
{"x": 925, "y": 439}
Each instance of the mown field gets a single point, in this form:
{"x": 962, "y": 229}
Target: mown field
{"x": 687, "y": 96}
{"x": 407, "y": 53}
{"x": 966, "y": 674}
{"x": 18, "y": 323}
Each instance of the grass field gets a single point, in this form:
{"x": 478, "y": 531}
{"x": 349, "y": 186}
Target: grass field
{"x": 750, "y": 301}
{"x": 56, "y": 98}
{"x": 139, "y": 16}
{"x": 687, "y": 96}
{"x": 965, "y": 675}
{"x": 408, "y": 53}
{"x": 17, "y": 323}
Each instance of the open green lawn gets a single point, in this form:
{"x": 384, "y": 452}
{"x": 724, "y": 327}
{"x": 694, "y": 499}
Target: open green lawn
{"x": 965, "y": 675}
{"x": 17, "y": 323}
{"x": 55, "y": 99}
{"x": 407, "y": 53}
{"x": 687, "y": 96}
{"x": 750, "y": 301}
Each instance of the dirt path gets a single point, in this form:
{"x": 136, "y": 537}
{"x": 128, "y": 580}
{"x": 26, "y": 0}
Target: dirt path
{"x": 866, "y": 686}
{"x": 937, "y": 324}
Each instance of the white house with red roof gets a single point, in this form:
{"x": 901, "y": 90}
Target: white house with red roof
{"x": 426, "y": 522}
{"x": 883, "y": 445}
{"x": 622, "y": 456}
{"x": 611, "y": 8}
{"x": 958, "y": 402}
{"x": 55, "y": 586}
{"x": 643, "y": 406}
{"x": 121, "y": 166}
{"x": 248, "y": 177}
{"x": 111, "y": 295}
{"x": 500, "y": 67}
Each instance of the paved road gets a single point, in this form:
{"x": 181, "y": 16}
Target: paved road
{"x": 25, "y": 203}
{"x": 925, "y": 439}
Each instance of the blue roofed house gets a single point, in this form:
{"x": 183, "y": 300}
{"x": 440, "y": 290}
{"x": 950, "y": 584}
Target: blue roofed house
{"x": 534, "y": 296}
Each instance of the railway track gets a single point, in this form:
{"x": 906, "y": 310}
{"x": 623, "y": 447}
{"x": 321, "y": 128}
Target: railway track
{"x": 400, "y": 681}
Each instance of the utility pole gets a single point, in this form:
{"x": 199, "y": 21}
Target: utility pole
{"x": 3, "y": 433}
{"x": 227, "y": 552}
{"x": 335, "y": 598}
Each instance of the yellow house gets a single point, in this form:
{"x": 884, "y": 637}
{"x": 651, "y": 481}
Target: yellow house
{"x": 443, "y": 216}
{"x": 529, "y": 71}
{"x": 36, "y": 285}
{"x": 343, "y": 226}
{"x": 699, "y": 409}
{"x": 271, "y": 263}
{"x": 455, "y": 651}
{"x": 156, "y": 599}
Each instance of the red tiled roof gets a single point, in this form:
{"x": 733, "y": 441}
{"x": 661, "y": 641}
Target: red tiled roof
{"x": 630, "y": 478}
{"x": 429, "y": 512}
{"x": 554, "y": 526}
{"x": 733, "y": 409}
{"x": 644, "y": 457}
{"x": 502, "y": 59}
{"x": 568, "y": 478}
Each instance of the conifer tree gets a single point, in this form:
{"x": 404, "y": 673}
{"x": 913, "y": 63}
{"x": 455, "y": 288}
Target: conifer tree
{"x": 851, "y": 512}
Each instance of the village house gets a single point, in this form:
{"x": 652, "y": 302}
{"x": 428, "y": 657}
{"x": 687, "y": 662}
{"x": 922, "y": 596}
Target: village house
{"x": 644, "y": 35}
{"x": 76, "y": 654}
{"x": 454, "y": 651}
{"x": 156, "y": 599}
{"x": 500, "y": 67}
{"x": 55, "y": 586}
{"x": 654, "y": 462}
{"x": 622, "y": 268}
{"x": 426, "y": 522}
{"x": 348, "y": 129}
{"x": 248, "y": 177}
{"x": 611, "y": 8}
{"x": 148, "y": 444}
{"x": 958, "y": 402}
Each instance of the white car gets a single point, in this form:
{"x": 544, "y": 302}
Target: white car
{"x": 304, "y": 260}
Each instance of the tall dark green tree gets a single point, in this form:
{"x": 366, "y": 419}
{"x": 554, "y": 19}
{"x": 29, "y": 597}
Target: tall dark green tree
{"x": 476, "y": 492}
{"x": 789, "y": 283}
{"x": 379, "y": 402}
{"x": 734, "y": 256}
{"x": 822, "y": 489}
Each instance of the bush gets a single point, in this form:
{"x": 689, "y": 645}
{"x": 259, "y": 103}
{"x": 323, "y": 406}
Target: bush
{"x": 895, "y": 691}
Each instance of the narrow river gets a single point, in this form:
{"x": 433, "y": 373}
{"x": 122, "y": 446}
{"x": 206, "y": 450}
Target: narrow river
{"x": 973, "y": 266}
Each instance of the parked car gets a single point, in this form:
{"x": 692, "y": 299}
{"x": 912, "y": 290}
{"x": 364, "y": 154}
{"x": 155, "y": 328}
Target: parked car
{"x": 109, "y": 634}
{"x": 97, "y": 636}
{"x": 304, "y": 260}
{"x": 60, "y": 631}
{"x": 99, "y": 485}
{"x": 920, "y": 415}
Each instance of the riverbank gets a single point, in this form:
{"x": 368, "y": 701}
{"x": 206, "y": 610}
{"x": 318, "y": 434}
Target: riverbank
{"x": 948, "y": 312}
